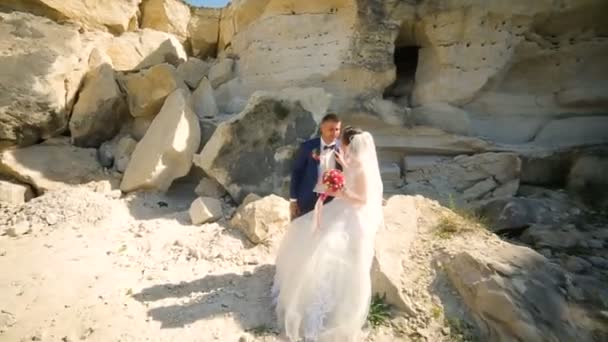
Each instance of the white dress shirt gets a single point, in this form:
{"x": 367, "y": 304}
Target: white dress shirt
{"x": 327, "y": 161}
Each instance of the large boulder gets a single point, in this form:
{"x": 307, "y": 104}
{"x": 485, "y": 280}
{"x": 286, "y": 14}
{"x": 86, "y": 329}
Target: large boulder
{"x": 14, "y": 193}
{"x": 208, "y": 187}
{"x": 441, "y": 115}
{"x": 515, "y": 294}
{"x": 516, "y": 214}
{"x": 221, "y": 72}
{"x": 572, "y": 132}
{"x": 259, "y": 219}
{"x": 546, "y": 168}
{"x": 42, "y": 66}
{"x": 49, "y": 167}
{"x": 588, "y": 180}
{"x": 170, "y": 16}
{"x": 165, "y": 152}
{"x": 467, "y": 179}
{"x": 115, "y": 16}
{"x": 147, "y": 89}
{"x": 122, "y": 152}
{"x": 203, "y": 100}
{"x": 266, "y": 134}
{"x": 192, "y": 71}
{"x": 100, "y": 110}
{"x": 393, "y": 242}
{"x": 143, "y": 49}
{"x": 204, "y": 29}
{"x": 423, "y": 140}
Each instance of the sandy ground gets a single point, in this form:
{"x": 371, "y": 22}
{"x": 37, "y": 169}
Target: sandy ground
{"x": 131, "y": 269}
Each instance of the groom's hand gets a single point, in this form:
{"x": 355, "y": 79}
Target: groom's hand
{"x": 294, "y": 210}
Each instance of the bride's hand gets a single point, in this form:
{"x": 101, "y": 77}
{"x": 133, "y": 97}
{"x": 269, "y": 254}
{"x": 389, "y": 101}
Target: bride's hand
{"x": 336, "y": 194}
{"x": 340, "y": 158}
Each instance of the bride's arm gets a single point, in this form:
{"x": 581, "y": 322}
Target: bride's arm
{"x": 356, "y": 193}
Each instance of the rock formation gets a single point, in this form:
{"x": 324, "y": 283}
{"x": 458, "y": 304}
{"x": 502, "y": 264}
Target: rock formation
{"x": 265, "y": 135}
{"x": 475, "y": 104}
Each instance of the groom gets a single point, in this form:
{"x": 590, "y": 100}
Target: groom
{"x": 314, "y": 157}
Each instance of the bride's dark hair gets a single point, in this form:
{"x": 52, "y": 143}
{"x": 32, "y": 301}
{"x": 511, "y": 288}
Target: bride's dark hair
{"x": 348, "y": 134}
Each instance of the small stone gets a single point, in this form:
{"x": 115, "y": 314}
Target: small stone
{"x": 576, "y": 264}
{"x": 445, "y": 331}
{"x": 51, "y": 219}
{"x": 599, "y": 262}
{"x": 20, "y": 228}
{"x": 575, "y": 292}
{"x": 114, "y": 194}
{"x": 595, "y": 244}
{"x": 205, "y": 209}
{"x": 546, "y": 252}
{"x": 105, "y": 155}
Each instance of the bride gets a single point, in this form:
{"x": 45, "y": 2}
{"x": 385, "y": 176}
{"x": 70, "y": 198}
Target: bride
{"x": 322, "y": 285}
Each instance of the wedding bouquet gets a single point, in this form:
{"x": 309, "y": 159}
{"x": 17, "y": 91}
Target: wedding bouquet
{"x": 333, "y": 180}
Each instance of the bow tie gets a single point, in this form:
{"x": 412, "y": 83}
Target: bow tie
{"x": 329, "y": 147}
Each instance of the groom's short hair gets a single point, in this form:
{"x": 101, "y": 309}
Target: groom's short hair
{"x": 330, "y": 117}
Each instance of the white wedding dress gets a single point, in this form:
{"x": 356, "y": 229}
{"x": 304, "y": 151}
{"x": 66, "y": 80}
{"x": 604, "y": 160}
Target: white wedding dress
{"x": 322, "y": 286}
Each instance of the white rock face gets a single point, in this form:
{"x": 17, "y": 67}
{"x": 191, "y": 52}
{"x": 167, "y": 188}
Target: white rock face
{"x": 143, "y": 49}
{"x": 114, "y": 16}
{"x": 171, "y": 16}
{"x": 204, "y": 32}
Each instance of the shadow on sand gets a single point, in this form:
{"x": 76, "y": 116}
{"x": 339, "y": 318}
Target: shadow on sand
{"x": 245, "y": 297}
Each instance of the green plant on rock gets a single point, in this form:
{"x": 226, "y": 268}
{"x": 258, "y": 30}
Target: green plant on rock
{"x": 261, "y": 330}
{"x": 459, "y": 330}
{"x": 379, "y": 311}
{"x": 436, "y": 312}
{"x": 457, "y": 221}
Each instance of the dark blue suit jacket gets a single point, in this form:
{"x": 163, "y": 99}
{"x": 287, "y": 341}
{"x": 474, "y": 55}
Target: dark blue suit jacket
{"x": 305, "y": 174}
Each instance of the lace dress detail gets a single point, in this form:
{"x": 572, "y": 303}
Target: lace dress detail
{"x": 322, "y": 286}
{"x": 317, "y": 312}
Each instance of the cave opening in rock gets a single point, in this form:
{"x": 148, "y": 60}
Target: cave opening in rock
{"x": 406, "y": 61}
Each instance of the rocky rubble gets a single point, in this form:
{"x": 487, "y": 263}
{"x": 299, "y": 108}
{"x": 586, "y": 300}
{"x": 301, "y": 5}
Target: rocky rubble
{"x": 508, "y": 291}
{"x": 466, "y": 179}
{"x": 65, "y": 209}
